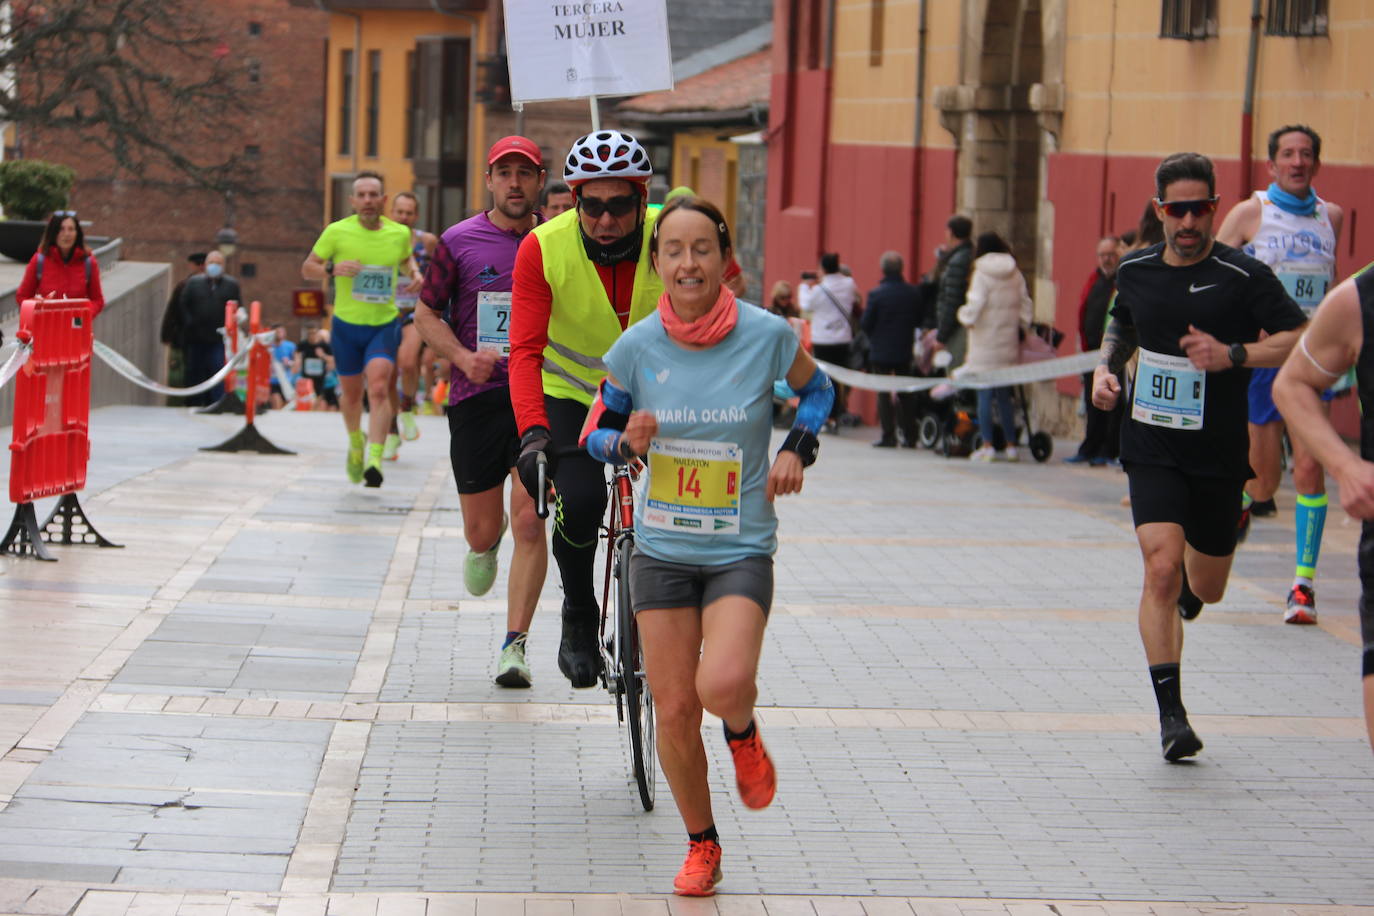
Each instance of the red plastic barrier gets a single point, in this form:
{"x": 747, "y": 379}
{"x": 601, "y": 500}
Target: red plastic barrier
{"x": 259, "y": 365}
{"x": 52, "y": 400}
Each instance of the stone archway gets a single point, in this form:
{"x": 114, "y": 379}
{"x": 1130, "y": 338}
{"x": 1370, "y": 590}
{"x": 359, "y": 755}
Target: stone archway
{"x": 1004, "y": 116}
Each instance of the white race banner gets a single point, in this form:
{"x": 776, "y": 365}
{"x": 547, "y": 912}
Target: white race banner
{"x": 569, "y": 50}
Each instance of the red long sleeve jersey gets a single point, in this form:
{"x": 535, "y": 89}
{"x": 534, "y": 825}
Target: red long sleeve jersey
{"x": 531, "y": 305}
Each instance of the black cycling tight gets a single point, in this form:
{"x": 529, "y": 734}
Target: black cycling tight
{"x": 580, "y": 481}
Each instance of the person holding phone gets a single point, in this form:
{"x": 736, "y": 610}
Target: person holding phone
{"x": 832, "y": 303}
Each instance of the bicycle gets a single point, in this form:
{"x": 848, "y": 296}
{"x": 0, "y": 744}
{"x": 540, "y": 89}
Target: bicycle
{"x": 622, "y": 665}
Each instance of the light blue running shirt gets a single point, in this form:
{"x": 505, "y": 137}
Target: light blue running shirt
{"x": 704, "y": 502}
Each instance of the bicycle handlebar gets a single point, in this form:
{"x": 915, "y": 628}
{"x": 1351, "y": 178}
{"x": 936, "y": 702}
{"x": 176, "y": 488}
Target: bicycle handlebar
{"x": 541, "y": 499}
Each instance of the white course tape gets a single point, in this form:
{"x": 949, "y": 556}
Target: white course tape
{"x": 134, "y": 374}
{"x": 15, "y": 361}
{"x": 1021, "y": 374}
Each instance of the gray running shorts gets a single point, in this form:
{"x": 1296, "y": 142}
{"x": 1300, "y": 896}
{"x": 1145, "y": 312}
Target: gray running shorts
{"x": 656, "y": 583}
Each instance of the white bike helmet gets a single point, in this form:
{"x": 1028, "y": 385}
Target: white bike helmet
{"x": 606, "y": 154}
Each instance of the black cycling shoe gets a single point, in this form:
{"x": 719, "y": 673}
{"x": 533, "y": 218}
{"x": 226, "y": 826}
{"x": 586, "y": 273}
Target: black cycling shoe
{"x": 1189, "y": 605}
{"x": 1177, "y": 737}
{"x": 1263, "y": 508}
{"x": 579, "y": 656}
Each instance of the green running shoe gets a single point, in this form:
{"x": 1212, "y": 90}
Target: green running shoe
{"x": 391, "y": 447}
{"x": 354, "y": 463}
{"x": 511, "y": 670}
{"x": 409, "y": 431}
{"x": 479, "y": 569}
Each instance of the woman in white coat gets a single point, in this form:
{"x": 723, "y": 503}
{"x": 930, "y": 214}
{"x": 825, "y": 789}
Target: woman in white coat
{"x": 995, "y": 311}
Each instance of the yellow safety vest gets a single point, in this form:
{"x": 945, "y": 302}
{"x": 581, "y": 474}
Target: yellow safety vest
{"x": 582, "y": 321}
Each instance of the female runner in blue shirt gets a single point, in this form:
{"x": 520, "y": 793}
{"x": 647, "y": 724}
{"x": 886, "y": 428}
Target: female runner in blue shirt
{"x": 690, "y": 389}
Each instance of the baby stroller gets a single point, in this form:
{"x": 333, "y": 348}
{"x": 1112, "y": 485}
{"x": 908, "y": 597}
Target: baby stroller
{"x": 952, "y": 427}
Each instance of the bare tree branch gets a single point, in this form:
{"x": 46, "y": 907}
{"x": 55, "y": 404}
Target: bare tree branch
{"x": 146, "y": 81}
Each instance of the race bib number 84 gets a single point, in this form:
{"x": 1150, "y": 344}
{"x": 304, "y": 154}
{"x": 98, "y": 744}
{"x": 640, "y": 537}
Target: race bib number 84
{"x": 694, "y": 486}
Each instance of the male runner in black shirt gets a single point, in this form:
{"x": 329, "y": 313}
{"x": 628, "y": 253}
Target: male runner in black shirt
{"x": 1193, "y": 309}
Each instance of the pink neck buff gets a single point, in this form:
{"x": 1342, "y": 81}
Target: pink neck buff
{"x": 708, "y": 330}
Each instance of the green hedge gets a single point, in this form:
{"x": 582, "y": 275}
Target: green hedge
{"x": 33, "y": 189}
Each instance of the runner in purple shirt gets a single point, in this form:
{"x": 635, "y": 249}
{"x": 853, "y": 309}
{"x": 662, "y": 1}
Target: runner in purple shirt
{"x": 467, "y": 294}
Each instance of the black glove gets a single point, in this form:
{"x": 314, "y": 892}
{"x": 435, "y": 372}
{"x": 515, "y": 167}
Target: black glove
{"x": 537, "y": 440}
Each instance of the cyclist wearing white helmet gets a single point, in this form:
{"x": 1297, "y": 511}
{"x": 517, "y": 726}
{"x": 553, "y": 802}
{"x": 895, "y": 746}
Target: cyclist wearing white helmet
{"x": 580, "y": 280}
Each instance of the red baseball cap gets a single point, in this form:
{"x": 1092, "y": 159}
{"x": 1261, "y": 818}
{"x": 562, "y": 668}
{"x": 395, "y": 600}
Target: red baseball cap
{"x": 515, "y": 144}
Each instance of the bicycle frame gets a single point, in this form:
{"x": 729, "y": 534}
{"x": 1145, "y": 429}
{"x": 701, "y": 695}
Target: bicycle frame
{"x": 619, "y": 527}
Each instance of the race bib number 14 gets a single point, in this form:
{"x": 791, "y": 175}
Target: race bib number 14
{"x": 694, "y": 486}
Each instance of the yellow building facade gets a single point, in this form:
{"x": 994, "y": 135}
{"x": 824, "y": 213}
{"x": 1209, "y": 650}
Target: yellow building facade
{"x": 400, "y": 100}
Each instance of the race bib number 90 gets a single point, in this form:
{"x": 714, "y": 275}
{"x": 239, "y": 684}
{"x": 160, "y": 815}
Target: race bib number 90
{"x": 1169, "y": 391}
{"x": 493, "y": 323}
{"x": 694, "y": 486}
{"x": 373, "y": 284}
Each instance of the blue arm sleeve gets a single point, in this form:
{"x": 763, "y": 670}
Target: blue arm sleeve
{"x": 610, "y": 412}
{"x": 604, "y": 445}
{"x": 817, "y": 397}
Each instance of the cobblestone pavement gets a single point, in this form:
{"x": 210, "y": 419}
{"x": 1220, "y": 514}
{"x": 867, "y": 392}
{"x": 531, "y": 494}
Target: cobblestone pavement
{"x": 277, "y": 699}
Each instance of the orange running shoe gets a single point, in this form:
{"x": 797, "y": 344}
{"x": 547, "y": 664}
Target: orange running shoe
{"x": 754, "y": 773}
{"x": 700, "y": 871}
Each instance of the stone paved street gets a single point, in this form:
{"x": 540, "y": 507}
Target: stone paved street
{"x": 276, "y": 700}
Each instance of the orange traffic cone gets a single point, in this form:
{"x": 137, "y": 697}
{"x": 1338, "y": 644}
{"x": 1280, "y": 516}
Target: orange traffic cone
{"x": 305, "y": 394}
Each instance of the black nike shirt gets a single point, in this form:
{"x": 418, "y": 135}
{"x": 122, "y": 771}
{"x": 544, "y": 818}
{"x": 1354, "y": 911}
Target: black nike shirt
{"x": 1231, "y": 296}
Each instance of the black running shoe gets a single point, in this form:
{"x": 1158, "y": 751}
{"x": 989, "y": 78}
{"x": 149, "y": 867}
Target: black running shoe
{"x": 1189, "y": 605}
{"x": 372, "y": 476}
{"x": 1243, "y": 526}
{"x": 1263, "y": 508}
{"x": 579, "y": 656}
{"x": 1177, "y": 737}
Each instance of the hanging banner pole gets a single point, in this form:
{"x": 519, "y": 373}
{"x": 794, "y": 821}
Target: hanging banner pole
{"x": 596, "y": 114}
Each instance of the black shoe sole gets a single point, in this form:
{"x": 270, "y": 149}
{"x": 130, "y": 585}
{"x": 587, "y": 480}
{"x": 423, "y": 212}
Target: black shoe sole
{"x": 1189, "y": 605}
{"x": 1264, "y": 509}
{"x": 1184, "y": 744}
{"x": 577, "y": 670}
{"x": 372, "y": 477}
{"x": 511, "y": 679}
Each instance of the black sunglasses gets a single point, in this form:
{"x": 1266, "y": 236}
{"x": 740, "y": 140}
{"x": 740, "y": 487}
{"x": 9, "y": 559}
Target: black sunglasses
{"x": 1177, "y": 209}
{"x": 616, "y": 206}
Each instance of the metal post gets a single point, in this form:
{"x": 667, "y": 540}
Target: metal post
{"x": 596, "y": 114}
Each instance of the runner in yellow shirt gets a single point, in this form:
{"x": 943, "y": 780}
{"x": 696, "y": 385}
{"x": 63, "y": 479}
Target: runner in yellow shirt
{"x": 368, "y": 256}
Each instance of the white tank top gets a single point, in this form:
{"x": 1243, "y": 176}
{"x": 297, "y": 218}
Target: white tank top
{"x": 1301, "y": 250}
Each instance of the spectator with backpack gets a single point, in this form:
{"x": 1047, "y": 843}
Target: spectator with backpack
{"x": 62, "y": 267}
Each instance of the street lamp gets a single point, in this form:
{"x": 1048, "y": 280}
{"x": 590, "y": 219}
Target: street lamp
{"x": 227, "y": 241}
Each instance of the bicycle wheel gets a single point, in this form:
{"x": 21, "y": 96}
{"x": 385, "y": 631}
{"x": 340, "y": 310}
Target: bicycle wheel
{"x": 639, "y": 700}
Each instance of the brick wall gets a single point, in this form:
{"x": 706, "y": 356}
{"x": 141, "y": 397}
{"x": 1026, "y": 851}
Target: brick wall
{"x": 167, "y": 220}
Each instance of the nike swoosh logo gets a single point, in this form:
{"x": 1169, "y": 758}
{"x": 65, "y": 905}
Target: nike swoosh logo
{"x": 1197, "y": 289}
{"x": 1165, "y": 680}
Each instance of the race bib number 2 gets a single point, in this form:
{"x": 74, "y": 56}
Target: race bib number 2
{"x": 493, "y": 323}
{"x": 1169, "y": 391}
{"x": 694, "y": 486}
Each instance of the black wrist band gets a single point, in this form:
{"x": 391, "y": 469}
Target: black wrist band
{"x": 805, "y": 444}
{"x": 622, "y": 448}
